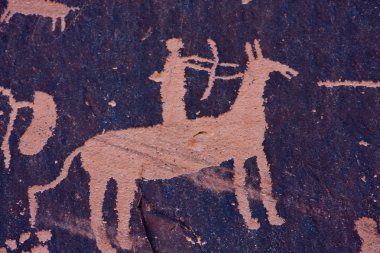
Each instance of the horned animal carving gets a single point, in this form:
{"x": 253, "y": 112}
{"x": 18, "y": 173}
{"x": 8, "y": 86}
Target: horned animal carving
{"x": 38, "y": 132}
{"x": 45, "y": 8}
{"x": 179, "y": 146}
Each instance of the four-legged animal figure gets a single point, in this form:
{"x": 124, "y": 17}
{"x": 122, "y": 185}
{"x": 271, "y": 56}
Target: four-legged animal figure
{"x": 45, "y": 8}
{"x": 176, "y": 148}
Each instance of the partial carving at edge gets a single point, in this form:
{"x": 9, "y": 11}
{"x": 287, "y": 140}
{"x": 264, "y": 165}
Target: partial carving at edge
{"x": 40, "y": 130}
{"x": 245, "y": 1}
{"x": 369, "y": 84}
{"x": 45, "y": 8}
{"x": 367, "y": 230}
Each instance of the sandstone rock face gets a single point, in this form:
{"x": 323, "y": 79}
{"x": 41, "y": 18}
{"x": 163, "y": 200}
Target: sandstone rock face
{"x": 189, "y": 126}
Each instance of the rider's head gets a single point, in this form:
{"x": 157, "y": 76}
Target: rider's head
{"x": 174, "y": 45}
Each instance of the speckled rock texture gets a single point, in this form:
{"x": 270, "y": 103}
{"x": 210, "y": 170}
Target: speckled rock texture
{"x": 322, "y": 143}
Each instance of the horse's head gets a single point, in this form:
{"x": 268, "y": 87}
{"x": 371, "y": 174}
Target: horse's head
{"x": 261, "y": 67}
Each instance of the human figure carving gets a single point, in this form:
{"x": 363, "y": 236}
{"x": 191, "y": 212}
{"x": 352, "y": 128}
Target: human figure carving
{"x": 45, "y": 8}
{"x": 173, "y": 111}
{"x": 39, "y": 131}
{"x": 176, "y": 148}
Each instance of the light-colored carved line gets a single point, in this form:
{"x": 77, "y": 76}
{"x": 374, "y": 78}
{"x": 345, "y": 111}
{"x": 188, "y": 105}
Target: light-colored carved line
{"x": 245, "y": 1}
{"x": 232, "y": 65}
{"x": 197, "y": 58}
{"x": 12, "y": 118}
{"x": 212, "y": 73}
{"x": 236, "y": 76}
{"x": 197, "y": 67}
{"x": 369, "y": 84}
{"x": 33, "y": 205}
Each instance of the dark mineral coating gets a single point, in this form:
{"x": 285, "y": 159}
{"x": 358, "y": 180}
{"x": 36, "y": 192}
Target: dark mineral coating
{"x": 323, "y": 178}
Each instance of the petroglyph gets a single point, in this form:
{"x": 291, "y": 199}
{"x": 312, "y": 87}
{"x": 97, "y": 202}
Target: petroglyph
{"x": 40, "y": 249}
{"x": 39, "y": 131}
{"x": 44, "y": 236}
{"x": 11, "y": 244}
{"x": 24, "y": 237}
{"x": 367, "y": 230}
{"x": 363, "y": 143}
{"x": 245, "y": 1}
{"x": 175, "y": 147}
{"x": 173, "y": 111}
{"x": 369, "y": 84}
{"x": 45, "y": 8}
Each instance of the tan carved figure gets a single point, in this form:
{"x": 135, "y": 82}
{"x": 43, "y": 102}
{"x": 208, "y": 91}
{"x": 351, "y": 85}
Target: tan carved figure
{"x": 367, "y": 230}
{"x": 45, "y": 8}
{"x": 179, "y": 147}
{"x": 173, "y": 111}
{"x": 368, "y": 84}
{"x": 39, "y": 131}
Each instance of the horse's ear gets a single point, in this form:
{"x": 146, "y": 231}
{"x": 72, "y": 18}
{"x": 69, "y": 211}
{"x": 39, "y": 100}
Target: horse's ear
{"x": 42, "y": 125}
{"x": 249, "y": 52}
{"x": 258, "y": 50}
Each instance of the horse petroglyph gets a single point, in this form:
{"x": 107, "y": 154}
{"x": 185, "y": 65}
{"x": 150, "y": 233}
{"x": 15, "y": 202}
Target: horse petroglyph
{"x": 38, "y": 132}
{"x": 179, "y": 146}
{"x": 45, "y": 8}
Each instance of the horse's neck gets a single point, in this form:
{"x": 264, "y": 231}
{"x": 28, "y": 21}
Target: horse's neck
{"x": 249, "y": 99}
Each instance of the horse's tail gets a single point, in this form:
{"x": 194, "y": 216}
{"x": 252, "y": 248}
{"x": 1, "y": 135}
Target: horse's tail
{"x": 74, "y": 8}
{"x": 33, "y": 205}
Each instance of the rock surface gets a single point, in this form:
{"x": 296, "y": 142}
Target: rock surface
{"x": 321, "y": 141}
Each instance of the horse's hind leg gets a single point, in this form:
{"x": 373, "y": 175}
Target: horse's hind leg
{"x": 63, "y": 24}
{"x": 266, "y": 189}
{"x": 53, "y": 24}
{"x": 126, "y": 190}
{"x": 242, "y": 195}
{"x": 97, "y": 191}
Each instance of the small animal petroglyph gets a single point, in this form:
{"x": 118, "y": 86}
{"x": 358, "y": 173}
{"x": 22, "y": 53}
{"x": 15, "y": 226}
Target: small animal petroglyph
{"x": 45, "y": 8}
{"x": 175, "y": 148}
{"x": 38, "y": 132}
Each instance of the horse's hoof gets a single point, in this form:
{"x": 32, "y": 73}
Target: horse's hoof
{"x": 44, "y": 236}
{"x": 276, "y": 220}
{"x": 253, "y": 224}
